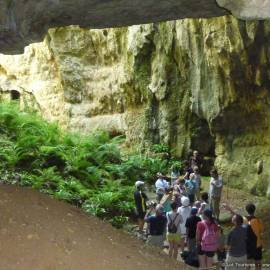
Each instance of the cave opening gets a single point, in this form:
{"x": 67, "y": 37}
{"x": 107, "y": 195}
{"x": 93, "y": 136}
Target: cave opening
{"x": 15, "y": 95}
{"x": 203, "y": 141}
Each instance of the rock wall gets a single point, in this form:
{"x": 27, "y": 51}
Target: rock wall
{"x": 189, "y": 83}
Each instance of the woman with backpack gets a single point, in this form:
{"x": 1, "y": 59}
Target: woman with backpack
{"x": 174, "y": 220}
{"x": 207, "y": 238}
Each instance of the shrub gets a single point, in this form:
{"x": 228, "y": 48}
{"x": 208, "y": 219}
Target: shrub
{"x": 88, "y": 171}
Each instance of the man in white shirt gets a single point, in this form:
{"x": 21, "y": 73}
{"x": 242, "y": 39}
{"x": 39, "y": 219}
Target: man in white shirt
{"x": 215, "y": 191}
{"x": 161, "y": 186}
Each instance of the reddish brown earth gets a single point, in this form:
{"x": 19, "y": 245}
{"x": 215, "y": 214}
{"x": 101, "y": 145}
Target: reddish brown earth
{"x": 40, "y": 233}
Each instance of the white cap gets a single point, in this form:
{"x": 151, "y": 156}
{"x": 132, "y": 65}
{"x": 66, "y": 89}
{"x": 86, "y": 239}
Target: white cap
{"x": 139, "y": 183}
{"x": 185, "y": 201}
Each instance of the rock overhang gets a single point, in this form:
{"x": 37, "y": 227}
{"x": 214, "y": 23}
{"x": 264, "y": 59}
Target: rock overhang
{"x": 27, "y": 21}
{"x": 23, "y": 22}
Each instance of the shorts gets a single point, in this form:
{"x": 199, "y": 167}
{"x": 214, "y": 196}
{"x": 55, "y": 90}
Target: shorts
{"x": 155, "y": 240}
{"x": 209, "y": 254}
{"x": 176, "y": 237}
{"x": 256, "y": 255}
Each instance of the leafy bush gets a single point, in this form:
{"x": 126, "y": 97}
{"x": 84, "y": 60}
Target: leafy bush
{"x": 88, "y": 171}
{"x": 160, "y": 148}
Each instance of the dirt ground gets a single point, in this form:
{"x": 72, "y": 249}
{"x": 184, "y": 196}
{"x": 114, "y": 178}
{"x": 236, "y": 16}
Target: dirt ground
{"x": 40, "y": 233}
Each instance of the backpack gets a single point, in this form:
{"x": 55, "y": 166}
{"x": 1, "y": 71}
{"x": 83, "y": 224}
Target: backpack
{"x": 251, "y": 238}
{"x": 172, "y": 228}
{"x": 209, "y": 238}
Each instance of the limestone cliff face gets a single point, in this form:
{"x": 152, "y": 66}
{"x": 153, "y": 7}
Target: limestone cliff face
{"x": 200, "y": 84}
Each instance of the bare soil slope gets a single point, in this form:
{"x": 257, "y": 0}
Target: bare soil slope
{"x": 40, "y": 233}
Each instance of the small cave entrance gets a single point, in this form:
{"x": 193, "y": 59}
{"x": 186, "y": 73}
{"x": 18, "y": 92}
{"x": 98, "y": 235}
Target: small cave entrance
{"x": 15, "y": 95}
{"x": 203, "y": 141}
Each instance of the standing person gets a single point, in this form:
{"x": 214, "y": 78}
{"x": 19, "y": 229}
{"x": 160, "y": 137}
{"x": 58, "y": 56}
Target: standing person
{"x": 195, "y": 160}
{"x": 215, "y": 192}
{"x": 140, "y": 199}
{"x": 255, "y": 230}
{"x": 161, "y": 186}
{"x": 180, "y": 187}
{"x": 184, "y": 211}
{"x": 167, "y": 200}
{"x": 191, "y": 226}
{"x": 174, "y": 220}
{"x": 191, "y": 189}
{"x": 204, "y": 204}
{"x": 207, "y": 236}
{"x": 175, "y": 173}
{"x": 187, "y": 170}
{"x": 196, "y": 177}
{"x": 156, "y": 226}
{"x": 236, "y": 245}
{"x": 176, "y": 198}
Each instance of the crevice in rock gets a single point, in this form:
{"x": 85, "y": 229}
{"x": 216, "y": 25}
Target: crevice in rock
{"x": 202, "y": 141}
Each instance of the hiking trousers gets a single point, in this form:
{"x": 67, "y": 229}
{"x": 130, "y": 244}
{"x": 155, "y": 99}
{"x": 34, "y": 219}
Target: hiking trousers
{"x": 214, "y": 204}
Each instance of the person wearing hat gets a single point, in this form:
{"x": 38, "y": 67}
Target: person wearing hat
{"x": 195, "y": 160}
{"x": 140, "y": 199}
{"x": 191, "y": 226}
{"x": 184, "y": 211}
{"x": 156, "y": 226}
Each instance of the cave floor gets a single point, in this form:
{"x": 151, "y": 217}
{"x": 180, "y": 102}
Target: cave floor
{"x": 40, "y": 233}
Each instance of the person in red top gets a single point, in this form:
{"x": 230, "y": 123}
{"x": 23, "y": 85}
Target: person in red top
{"x": 207, "y": 238}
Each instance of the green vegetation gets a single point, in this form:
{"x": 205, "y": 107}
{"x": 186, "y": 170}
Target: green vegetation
{"x": 91, "y": 172}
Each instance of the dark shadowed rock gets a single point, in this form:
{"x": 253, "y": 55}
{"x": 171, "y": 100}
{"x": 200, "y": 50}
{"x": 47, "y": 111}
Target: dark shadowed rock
{"x": 25, "y": 22}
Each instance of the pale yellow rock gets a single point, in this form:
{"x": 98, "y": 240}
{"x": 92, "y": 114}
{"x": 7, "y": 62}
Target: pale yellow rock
{"x": 194, "y": 83}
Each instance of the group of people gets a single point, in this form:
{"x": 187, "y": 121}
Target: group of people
{"x": 189, "y": 219}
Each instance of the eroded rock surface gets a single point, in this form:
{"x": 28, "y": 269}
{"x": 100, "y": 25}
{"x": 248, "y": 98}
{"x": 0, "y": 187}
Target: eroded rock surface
{"x": 200, "y": 84}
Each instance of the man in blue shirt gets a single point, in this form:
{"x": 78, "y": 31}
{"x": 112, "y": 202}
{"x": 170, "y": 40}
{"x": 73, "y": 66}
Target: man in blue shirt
{"x": 156, "y": 226}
